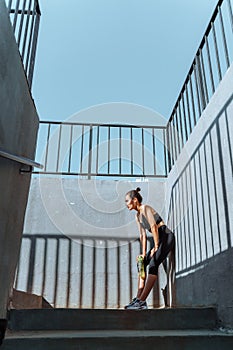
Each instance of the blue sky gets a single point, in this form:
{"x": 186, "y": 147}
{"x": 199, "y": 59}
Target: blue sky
{"x": 92, "y": 52}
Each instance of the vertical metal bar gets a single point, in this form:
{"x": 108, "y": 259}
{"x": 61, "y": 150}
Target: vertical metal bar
{"x": 224, "y": 39}
{"x": 44, "y": 265}
{"x": 205, "y": 90}
{"x": 230, "y": 13}
{"x": 9, "y": 5}
{"x": 59, "y": 147}
{"x": 165, "y": 152}
{"x": 118, "y": 277}
{"x": 192, "y": 189}
{"x": 210, "y": 65}
{"x": 47, "y": 147}
{"x": 90, "y": 153}
{"x": 119, "y": 150}
{"x": 200, "y": 81}
{"x": 177, "y": 133}
{"x": 93, "y": 274}
{"x": 97, "y": 149}
{"x": 181, "y": 126}
{"x": 56, "y": 280}
{"x": 188, "y": 230}
{"x": 192, "y": 98}
{"x": 26, "y": 30}
{"x": 16, "y": 10}
{"x": 188, "y": 107}
{"x": 185, "y": 122}
{"x": 30, "y": 37}
{"x": 197, "y": 90}
{"x": 106, "y": 274}
{"x": 81, "y": 278}
{"x": 109, "y": 149}
{"x": 168, "y": 148}
{"x": 174, "y": 137}
{"x": 69, "y": 273}
{"x": 21, "y": 22}
{"x": 216, "y": 52}
{"x": 81, "y": 155}
{"x": 154, "y": 159}
{"x": 33, "y": 50}
{"x": 172, "y": 144}
{"x": 131, "y": 149}
{"x": 31, "y": 270}
{"x": 71, "y": 145}
{"x": 143, "y": 160}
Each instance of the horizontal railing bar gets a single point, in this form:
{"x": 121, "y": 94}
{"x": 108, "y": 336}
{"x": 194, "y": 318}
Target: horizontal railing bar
{"x": 76, "y": 236}
{"x": 104, "y": 125}
{"x": 97, "y": 174}
{"x": 20, "y": 159}
{"x": 19, "y": 12}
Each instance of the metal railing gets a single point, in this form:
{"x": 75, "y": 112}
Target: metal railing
{"x": 25, "y": 19}
{"x": 22, "y": 160}
{"x": 92, "y": 150}
{"x": 211, "y": 61}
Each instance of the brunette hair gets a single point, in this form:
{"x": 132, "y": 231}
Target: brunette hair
{"x": 135, "y": 194}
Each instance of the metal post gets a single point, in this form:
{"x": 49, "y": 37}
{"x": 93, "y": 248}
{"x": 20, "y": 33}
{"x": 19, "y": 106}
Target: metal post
{"x": 90, "y": 153}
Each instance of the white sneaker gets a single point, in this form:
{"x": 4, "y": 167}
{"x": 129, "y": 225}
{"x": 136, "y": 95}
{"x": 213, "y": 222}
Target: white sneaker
{"x": 131, "y": 303}
{"x": 138, "y": 305}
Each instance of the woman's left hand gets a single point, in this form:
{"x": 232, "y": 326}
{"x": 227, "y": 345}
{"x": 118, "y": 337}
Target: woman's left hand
{"x": 152, "y": 252}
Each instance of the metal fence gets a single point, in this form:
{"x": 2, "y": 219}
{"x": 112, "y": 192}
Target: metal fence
{"x": 25, "y": 19}
{"x": 211, "y": 61}
{"x": 100, "y": 150}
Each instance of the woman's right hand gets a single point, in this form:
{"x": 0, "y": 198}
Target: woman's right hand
{"x": 140, "y": 256}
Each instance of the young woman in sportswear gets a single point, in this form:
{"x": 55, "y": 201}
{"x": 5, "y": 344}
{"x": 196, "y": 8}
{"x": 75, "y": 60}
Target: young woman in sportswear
{"x": 148, "y": 219}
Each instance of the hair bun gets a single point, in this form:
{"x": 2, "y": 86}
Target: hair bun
{"x": 138, "y": 189}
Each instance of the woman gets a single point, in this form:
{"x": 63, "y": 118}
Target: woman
{"x": 148, "y": 219}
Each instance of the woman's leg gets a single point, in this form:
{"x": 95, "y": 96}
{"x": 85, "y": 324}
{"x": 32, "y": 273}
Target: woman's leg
{"x": 141, "y": 286}
{"x": 164, "y": 248}
{"x": 148, "y": 286}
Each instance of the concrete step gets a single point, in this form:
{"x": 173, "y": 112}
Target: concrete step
{"x": 130, "y": 340}
{"x": 96, "y": 319}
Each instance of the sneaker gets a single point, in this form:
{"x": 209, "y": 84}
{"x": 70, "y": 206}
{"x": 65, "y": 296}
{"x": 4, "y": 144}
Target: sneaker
{"x": 138, "y": 305}
{"x": 131, "y": 303}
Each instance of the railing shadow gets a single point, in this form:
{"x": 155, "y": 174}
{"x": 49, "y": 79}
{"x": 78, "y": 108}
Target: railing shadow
{"x": 199, "y": 210}
{"x": 83, "y": 272}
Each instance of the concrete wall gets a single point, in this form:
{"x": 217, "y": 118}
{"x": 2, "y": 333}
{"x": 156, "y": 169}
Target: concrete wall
{"x": 18, "y": 131}
{"x": 200, "y": 208}
{"x": 80, "y": 242}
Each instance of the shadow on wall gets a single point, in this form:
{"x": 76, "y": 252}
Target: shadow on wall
{"x": 199, "y": 206}
{"x": 200, "y": 213}
{"x": 83, "y": 272}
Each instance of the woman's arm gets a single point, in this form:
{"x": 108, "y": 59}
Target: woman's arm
{"x": 143, "y": 237}
{"x": 155, "y": 234}
{"x": 143, "y": 240}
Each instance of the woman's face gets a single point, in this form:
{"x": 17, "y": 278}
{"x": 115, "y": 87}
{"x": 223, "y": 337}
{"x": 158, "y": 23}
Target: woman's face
{"x": 130, "y": 203}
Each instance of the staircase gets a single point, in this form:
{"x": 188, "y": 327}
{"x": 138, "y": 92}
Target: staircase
{"x": 69, "y": 329}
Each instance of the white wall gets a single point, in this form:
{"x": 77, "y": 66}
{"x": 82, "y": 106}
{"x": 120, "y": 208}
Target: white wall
{"x": 80, "y": 242}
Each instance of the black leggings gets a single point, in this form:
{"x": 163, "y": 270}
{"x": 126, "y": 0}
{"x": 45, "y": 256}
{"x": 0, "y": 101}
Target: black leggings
{"x": 166, "y": 244}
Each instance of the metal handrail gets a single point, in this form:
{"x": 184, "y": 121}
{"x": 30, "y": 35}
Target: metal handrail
{"x": 100, "y": 150}
{"x": 212, "y": 59}
{"x": 25, "y": 17}
{"x": 20, "y": 159}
